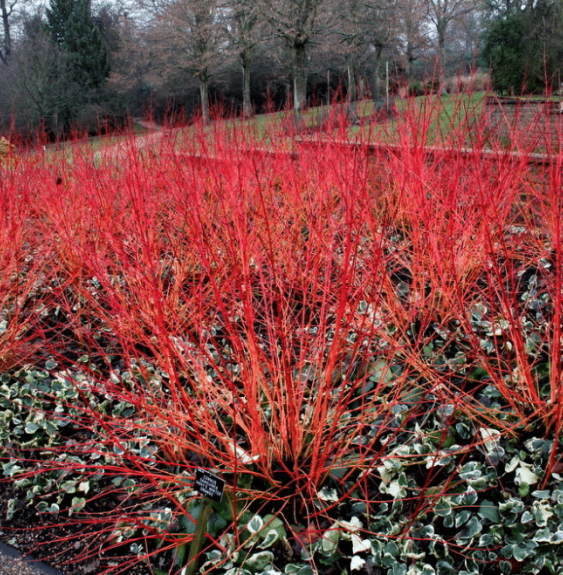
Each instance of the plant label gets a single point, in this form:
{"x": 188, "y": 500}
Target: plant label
{"x": 209, "y": 485}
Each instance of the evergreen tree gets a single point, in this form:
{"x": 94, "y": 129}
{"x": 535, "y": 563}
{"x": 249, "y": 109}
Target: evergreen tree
{"x": 58, "y": 15}
{"x": 523, "y": 45}
{"x": 70, "y": 24}
{"x": 506, "y": 55}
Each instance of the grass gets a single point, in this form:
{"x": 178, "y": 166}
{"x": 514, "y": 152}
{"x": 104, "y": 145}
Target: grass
{"x": 366, "y": 350}
{"x": 277, "y": 129}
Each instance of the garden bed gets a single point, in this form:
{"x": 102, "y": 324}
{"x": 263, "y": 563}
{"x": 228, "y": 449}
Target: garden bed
{"x": 367, "y": 352}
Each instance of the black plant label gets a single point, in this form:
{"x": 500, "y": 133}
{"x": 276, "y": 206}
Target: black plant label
{"x": 209, "y": 485}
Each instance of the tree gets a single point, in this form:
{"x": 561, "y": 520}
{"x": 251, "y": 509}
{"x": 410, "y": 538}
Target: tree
{"x": 464, "y": 41}
{"x": 505, "y": 54}
{"x": 298, "y": 23}
{"x": 412, "y": 34}
{"x": 440, "y": 14}
{"x": 367, "y": 28}
{"x": 381, "y": 19}
{"x": 189, "y": 36}
{"x": 352, "y": 33}
{"x": 70, "y": 25}
{"x": 245, "y": 31}
{"x": 523, "y": 45}
{"x": 7, "y": 8}
{"x": 40, "y": 89}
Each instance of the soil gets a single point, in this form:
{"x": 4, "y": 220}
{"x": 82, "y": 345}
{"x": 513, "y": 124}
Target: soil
{"x": 62, "y": 545}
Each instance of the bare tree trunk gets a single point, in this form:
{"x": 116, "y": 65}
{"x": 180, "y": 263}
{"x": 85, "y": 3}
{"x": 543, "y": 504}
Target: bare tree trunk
{"x": 352, "y": 86}
{"x": 441, "y": 29}
{"x": 204, "y": 95}
{"x": 246, "y": 101}
{"x": 299, "y": 76}
{"x": 410, "y": 59}
{"x": 377, "y": 96}
{"x": 7, "y": 44}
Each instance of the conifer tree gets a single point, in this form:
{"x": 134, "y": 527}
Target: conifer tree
{"x": 523, "y": 45}
{"x": 70, "y": 25}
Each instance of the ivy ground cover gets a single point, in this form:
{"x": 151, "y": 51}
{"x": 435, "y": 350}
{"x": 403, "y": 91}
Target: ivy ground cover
{"x": 366, "y": 350}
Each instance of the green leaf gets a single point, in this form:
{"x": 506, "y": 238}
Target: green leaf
{"x": 181, "y": 555}
{"x": 31, "y": 428}
{"x": 486, "y": 540}
{"x": 471, "y": 470}
{"x": 523, "y": 489}
{"x": 270, "y": 539}
{"x": 445, "y": 568}
{"x": 380, "y": 372}
{"x": 259, "y": 561}
{"x": 215, "y": 524}
{"x": 472, "y": 528}
{"x": 43, "y": 507}
{"x": 462, "y": 517}
{"x": 326, "y": 494}
{"x": 541, "y": 512}
{"x": 412, "y": 396}
{"x": 12, "y": 508}
{"x": 541, "y": 494}
{"x": 297, "y": 569}
{"x": 398, "y": 569}
{"x": 187, "y": 522}
{"x": 69, "y": 486}
{"x": 522, "y": 551}
{"x": 77, "y": 504}
{"x": 526, "y": 517}
{"x": 392, "y": 548}
{"x": 273, "y": 523}
{"x": 505, "y": 567}
{"x": 489, "y": 510}
{"x": 542, "y": 536}
{"x": 255, "y": 524}
{"x": 330, "y": 540}
{"x": 443, "y": 507}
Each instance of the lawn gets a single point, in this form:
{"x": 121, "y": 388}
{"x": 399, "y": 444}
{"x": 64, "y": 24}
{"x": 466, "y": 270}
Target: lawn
{"x": 366, "y": 350}
{"x": 438, "y": 119}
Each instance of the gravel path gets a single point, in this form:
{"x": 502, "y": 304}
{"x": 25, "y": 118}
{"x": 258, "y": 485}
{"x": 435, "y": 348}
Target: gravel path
{"x": 12, "y": 563}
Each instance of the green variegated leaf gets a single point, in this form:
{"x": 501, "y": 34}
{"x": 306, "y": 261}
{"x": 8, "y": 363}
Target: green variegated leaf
{"x": 259, "y": 561}
{"x": 77, "y": 504}
{"x": 297, "y": 569}
{"x": 255, "y": 524}
{"x": 326, "y": 494}
{"x": 270, "y": 539}
{"x": 489, "y": 510}
{"x": 330, "y": 540}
